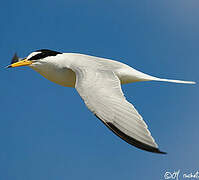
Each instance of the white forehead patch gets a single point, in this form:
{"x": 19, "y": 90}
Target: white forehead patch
{"x": 32, "y": 54}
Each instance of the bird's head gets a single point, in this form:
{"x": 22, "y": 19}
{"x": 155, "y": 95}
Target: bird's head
{"x": 50, "y": 64}
{"x": 34, "y": 58}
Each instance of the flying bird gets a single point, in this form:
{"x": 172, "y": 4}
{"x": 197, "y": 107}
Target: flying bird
{"x": 98, "y": 82}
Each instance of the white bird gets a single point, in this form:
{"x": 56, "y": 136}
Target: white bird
{"x": 98, "y": 81}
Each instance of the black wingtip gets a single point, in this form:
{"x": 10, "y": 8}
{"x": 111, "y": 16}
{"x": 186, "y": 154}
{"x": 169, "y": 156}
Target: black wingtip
{"x": 159, "y": 152}
{"x": 15, "y": 58}
{"x": 131, "y": 140}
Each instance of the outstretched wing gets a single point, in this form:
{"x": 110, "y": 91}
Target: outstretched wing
{"x": 102, "y": 94}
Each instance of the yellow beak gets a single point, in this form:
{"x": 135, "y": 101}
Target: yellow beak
{"x": 24, "y": 62}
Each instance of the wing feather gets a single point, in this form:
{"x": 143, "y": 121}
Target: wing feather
{"x": 102, "y": 94}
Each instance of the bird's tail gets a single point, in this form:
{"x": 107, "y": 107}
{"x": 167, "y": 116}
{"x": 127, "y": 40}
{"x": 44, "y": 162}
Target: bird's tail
{"x": 174, "y": 81}
{"x": 132, "y": 75}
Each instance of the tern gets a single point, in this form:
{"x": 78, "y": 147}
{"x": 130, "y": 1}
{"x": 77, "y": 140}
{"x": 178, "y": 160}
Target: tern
{"x": 98, "y": 82}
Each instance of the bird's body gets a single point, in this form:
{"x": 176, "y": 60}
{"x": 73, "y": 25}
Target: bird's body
{"x": 59, "y": 71}
{"x": 98, "y": 81}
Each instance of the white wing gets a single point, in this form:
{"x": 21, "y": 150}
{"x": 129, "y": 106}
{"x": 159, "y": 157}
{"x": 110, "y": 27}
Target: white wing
{"x": 102, "y": 94}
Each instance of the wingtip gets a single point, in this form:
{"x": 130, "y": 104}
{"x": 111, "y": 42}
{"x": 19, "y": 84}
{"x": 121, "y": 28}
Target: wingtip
{"x": 131, "y": 140}
{"x": 15, "y": 58}
{"x": 160, "y": 152}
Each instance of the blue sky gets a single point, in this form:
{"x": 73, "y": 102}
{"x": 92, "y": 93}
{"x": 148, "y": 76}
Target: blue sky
{"x": 46, "y": 132}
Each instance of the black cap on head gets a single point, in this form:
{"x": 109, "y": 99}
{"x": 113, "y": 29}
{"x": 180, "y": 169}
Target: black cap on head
{"x": 44, "y": 53}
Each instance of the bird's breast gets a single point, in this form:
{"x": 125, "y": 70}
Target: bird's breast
{"x": 62, "y": 76}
